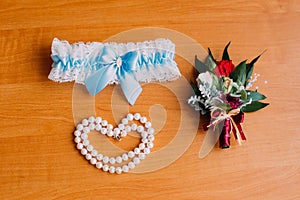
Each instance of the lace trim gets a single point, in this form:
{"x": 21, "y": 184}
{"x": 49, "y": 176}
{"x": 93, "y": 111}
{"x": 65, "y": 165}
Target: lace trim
{"x": 76, "y": 62}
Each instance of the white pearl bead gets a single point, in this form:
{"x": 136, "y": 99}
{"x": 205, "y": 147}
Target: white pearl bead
{"x": 128, "y": 128}
{"x": 125, "y": 157}
{"x": 83, "y": 151}
{"x": 110, "y": 126}
{"x": 123, "y": 133}
{"x": 121, "y": 126}
{"x": 112, "y": 160}
{"x": 117, "y": 131}
{"x": 86, "y": 142}
{"x": 103, "y": 131}
{"x": 142, "y": 146}
{"x": 125, "y": 168}
{"x": 143, "y": 120}
{"x": 146, "y": 151}
{"x": 105, "y": 159}
{"x": 151, "y": 137}
{"x": 148, "y": 124}
{"x": 119, "y": 159}
{"x": 84, "y": 136}
{"x": 90, "y": 148}
{"x": 125, "y": 121}
{"x": 140, "y": 129}
{"x": 99, "y": 165}
{"x": 144, "y": 134}
{"x": 151, "y": 130}
{"x": 98, "y": 127}
{"x": 136, "y": 150}
{"x": 104, "y": 123}
{"x": 110, "y": 133}
{"x": 92, "y": 126}
{"x": 77, "y": 133}
{"x": 130, "y": 116}
{"x": 85, "y": 122}
{"x": 144, "y": 140}
{"x": 91, "y": 119}
{"x": 99, "y": 157}
{"x": 93, "y": 161}
{"x": 133, "y": 127}
{"x": 105, "y": 168}
{"x": 79, "y": 146}
{"x": 94, "y": 152}
{"x": 77, "y": 139}
{"x": 136, "y": 161}
{"x": 137, "y": 116}
{"x": 131, "y": 165}
{"x": 79, "y": 127}
{"x": 88, "y": 156}
{"x": 119, "y": 170}
{"x": 130, "y": 154}
{"x": 98, "y": 120}
{"x": 150, "y": 145}
{"x": 142, "y": 156}
{"x": 112, "y": 169}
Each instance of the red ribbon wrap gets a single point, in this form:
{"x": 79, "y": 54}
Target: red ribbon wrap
{"x": 224, "y": 139}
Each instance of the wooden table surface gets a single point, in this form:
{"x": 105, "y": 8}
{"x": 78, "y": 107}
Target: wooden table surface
{"x": 38, "y": 156}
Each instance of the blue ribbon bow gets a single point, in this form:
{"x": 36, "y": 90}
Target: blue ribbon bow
{"x": 113, "y": 65}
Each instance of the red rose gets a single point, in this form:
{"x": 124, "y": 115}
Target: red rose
{"x": 224, "y": 68}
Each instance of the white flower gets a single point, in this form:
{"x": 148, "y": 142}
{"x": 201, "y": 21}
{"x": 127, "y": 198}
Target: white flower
{"x": 204, "y": 79}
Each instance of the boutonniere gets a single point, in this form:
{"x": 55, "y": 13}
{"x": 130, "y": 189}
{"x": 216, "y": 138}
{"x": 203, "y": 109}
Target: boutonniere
{"x": 223, "y": 90}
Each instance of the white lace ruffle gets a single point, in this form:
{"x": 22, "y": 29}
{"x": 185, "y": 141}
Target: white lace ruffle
{"x": 76, "y": 62}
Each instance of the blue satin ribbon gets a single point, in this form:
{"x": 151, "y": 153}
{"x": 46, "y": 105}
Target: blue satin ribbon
{"x": 112, "y": 65}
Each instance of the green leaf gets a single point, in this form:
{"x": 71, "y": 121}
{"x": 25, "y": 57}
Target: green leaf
{"x": 210, "y": 54}
{"x": 255, "y": 96}
{"x": 210, "y": 60}
{"x": 254, "y": 106}
{"x": 195, "y": 88}
{"x": 239, "y": 73}
{"x": 210, "y": 63}
{"x": 223, "y": 106}
{"x": 249, "y": 68}
{"x": 225, "y": 53}
{"x": 243, "y": 94}
{"x": 200, "y": 66}
{"x": 217, "y": 81}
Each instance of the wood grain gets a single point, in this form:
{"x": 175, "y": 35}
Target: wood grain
{"x": 38, "y": 158}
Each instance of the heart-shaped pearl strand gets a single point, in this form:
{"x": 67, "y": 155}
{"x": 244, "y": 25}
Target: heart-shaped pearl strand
{"x": 114, "y": 164}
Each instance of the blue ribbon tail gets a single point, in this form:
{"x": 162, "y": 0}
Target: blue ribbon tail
{"x": 131, "y": 88}
{"x": 99, "y": 80}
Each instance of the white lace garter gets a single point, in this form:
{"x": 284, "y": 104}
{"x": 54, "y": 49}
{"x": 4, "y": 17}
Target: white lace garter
{"x": 97, "y": 64}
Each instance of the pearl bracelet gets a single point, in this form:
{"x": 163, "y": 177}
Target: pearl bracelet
{"x": 114, "y": 164}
